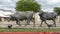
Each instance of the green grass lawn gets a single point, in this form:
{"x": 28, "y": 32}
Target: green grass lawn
{"x": 29, "y": 30}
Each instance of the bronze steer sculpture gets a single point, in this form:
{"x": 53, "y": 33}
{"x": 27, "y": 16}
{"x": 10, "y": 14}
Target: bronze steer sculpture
{"x": 47, "y": 16}
{"x": 18, "y": 16}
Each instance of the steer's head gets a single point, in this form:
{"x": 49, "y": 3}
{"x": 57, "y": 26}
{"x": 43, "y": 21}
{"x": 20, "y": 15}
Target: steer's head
{"x": 40, "y": 13}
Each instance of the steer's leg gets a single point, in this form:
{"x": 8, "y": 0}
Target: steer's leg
{"x": 18, "y": 22}
{"x": 45, "y": 22}
{"x": 41, "y": 23}
{"x": 9, "y": 19}
{"x": 33, "y": 23}
{"x": 27, "y": 23}
{"x": 54, "y": 23}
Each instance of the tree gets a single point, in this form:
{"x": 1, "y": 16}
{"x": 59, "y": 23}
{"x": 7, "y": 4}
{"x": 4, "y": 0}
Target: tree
{"x": 27, "y": 5}
{"x": 57, "y": 10}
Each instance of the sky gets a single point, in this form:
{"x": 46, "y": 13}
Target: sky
{"x": 48, "y": 5}
{"x": 45, "y": 4}
{"x": 8, "y": 4}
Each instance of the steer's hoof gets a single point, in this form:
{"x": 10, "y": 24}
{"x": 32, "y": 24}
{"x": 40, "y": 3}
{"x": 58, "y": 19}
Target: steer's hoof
{"x": 55, "y": 25}
{"x": 33, "y": 25}
{"x": 19, "y": 25}
{"x": 40, "y": 26}
{"x": 25, "y": 24}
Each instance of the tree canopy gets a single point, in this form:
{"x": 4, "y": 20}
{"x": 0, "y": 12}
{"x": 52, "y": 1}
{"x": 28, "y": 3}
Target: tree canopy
{"x": 57, "y": 10}
{"x": 28, "y": 5}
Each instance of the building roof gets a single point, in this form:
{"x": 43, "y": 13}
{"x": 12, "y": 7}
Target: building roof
{"x": 5, "y": 13}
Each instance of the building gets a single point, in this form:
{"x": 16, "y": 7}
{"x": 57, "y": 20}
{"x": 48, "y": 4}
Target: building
{"x": 4, "y": 14}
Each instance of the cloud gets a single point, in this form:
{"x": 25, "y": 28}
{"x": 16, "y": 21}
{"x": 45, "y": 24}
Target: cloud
{"x": 49, "y": 4}
{"x": 7, "y": 4}
{"x": 52, "y": 1}
{"x": 45, "y": 4}
{"x": 49, "y": 1}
